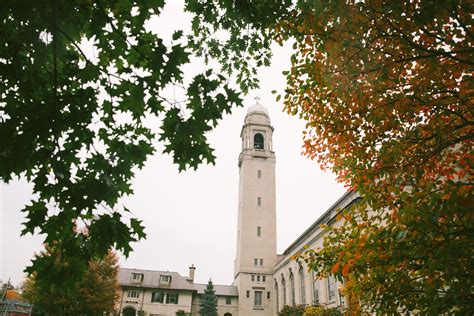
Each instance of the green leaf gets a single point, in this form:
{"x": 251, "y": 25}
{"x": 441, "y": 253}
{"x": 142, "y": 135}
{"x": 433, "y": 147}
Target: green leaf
{"x": 177, "y": 35}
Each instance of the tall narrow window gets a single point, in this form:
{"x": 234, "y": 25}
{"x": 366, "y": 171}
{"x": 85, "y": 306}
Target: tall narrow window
{"x": 331, "y": 288}
{"x": 263, "y": 278}
{"x": 255, "y": 262}
{"x": 292, "y": 289}
{"x": 258, "y": 298}
{"x": 259, "y": 174}
{"x": 315, "y": 289}
{"x": 247, "y": 294}
{"x": 261, "y": 262}
{"x": 259, "y": 201}
{"x": 302, "y": 287}
{"x": 283, "y": 286}
{"x": 276, "y": 295}
{"x": 258, "y": 277}
{"x": 252, "y": 277}
{"x": 259, "y": 231}
{"x": 258, "y": 141}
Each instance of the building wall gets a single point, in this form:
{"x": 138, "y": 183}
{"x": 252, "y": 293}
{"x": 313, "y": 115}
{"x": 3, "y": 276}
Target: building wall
{"x": 144, "y": 303}
{"x": 308, "y": 289}
{"x": 222, "y": 307}
{"x": 314, "y": 291}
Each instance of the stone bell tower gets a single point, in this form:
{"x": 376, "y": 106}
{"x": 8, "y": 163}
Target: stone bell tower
{"x": 256, "y": 231}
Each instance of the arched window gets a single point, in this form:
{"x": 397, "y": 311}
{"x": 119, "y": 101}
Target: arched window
{"x": 292, "y": 289}
{"x": 227, "y": 314}
{"x": 258, "y": 141}
{"x": 129, "y": 311}
{"x": 283, "y": 286}
{"x": 276, "y": 294}
{"x": 302, "y": 288}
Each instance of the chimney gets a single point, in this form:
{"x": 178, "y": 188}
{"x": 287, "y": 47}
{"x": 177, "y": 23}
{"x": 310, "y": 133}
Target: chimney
{"x": 192, "y": 268}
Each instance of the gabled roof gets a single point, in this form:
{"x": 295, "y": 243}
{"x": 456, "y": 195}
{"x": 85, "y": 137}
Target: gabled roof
{"x": 221, "y": 290}
{"x": 151, "y": 279}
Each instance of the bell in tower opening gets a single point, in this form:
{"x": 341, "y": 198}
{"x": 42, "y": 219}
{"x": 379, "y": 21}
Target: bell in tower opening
{"x": 258, "y": 141}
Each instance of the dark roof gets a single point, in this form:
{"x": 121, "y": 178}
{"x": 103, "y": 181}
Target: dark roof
{"x": 151, "y": 279}
{"x": 221, "y": 290}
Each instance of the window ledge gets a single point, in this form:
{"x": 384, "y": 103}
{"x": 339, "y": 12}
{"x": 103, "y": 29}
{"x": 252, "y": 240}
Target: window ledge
{"x": 258, "y": 308}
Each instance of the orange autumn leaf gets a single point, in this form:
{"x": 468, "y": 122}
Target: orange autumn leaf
{"x": 12, "y": 295}
{"x": 345, "y": 269}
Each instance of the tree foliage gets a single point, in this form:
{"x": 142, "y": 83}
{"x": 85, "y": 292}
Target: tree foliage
{"x": 181, "y": 312}
{"x": 312, "y": 310}
{"x": 287, "y": 310}
{"x": 96, "y": 293}
{"x": 319, "y": 310}
{"x": 208, "y": 301}
{"x": 386, "y": 89}
{"x": 79, "y": 82}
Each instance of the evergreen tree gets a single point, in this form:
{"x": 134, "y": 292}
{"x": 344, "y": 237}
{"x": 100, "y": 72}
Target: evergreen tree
{"x": 208, "y": 304}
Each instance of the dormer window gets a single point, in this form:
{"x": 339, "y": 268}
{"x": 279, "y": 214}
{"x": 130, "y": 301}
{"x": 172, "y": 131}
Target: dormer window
{"x": 165, "y": 279}
{"x": 258, "y": 141}
{"x": 137, "y": 277}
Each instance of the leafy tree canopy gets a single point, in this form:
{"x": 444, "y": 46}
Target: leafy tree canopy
{"x": 208, "y": 301}
{"x": 79, "y": 79}
{"x": 297, "y": 310}
{"x": 386, "y": 89}
{"x": 96, "y": 293}
{"x": 318, "y": 310}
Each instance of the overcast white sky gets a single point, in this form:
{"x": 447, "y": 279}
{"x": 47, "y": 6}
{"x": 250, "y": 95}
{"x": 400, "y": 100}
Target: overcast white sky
{"x": 191, "y": 217}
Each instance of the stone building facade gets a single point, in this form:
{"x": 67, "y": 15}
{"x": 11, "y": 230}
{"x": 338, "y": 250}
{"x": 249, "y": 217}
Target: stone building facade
{"x": 264, "y": 281}
{"x": 157, "y": 293}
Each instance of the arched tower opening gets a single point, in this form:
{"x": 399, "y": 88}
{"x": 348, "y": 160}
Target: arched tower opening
{"x": 258, "y": 141}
